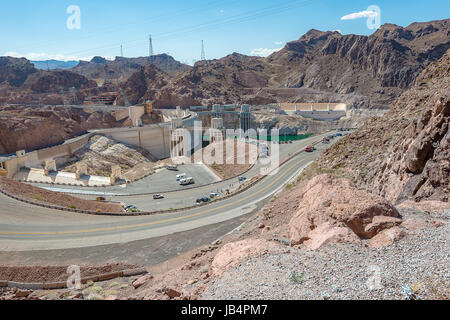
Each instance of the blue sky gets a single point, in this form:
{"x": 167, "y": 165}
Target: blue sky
{"x": 37, "y": 29}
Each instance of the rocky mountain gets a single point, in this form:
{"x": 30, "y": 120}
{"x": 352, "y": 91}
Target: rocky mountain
{"x": 14, "y": 71}
{"x": 121, "y": 68}
{"x": 21, "y": 82}
{"x": 406, "y": 153}
{"x": 365, "y": 71}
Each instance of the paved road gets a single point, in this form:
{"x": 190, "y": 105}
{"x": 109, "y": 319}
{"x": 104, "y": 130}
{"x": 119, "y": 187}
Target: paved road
{"x": 184, "y": 196}
{"x": 25, "y": 228}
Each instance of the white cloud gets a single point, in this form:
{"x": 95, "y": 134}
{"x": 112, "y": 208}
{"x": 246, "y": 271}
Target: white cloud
{"x": 222, "y": 11}
{"x": 46, "y": 56}
{"x": 337, "y": 30}
{"x": 279, "y": 43}
{"x": 264, "y": 52}
{"x": 361, "y": 14}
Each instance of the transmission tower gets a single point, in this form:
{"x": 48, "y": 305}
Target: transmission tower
{"x": 203, "y": 52}
{"x": 73, "y": 91}
{"x": 64, "y": 97}
{"x": 150, "y": 51}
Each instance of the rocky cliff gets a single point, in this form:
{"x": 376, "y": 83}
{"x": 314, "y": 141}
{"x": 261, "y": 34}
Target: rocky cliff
{"x": 31, "y": 128}
{"x": 406, "y": 153}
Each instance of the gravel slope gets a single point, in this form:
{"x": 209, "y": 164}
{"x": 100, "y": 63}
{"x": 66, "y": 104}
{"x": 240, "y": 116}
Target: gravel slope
{"x": 420, "y": 261}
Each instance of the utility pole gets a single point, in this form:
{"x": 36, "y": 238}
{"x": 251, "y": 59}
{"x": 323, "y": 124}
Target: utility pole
{"x": 203, "y": 57}
{"x": 150, "y": 52}
{"x": 121, "y": 50}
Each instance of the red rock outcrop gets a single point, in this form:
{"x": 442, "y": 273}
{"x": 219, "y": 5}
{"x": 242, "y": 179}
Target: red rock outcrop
{"x": 335, "y": 200}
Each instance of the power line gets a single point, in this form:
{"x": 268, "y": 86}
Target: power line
{"x": 118, "y": 27}
{"x": 244, "y": 17}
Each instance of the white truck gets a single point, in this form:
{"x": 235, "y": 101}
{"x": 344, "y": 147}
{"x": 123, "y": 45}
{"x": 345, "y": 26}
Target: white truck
{"x": 186, "y": 181}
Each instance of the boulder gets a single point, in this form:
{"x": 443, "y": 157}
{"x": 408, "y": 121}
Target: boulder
{"x": 415, "y": 224}
{"x": 380, "y": 223}
{"x": 172, "y": 293}
{"x": 328, "y": 199}
{"x": 22, "y": 294}
{"x": 232, "y": 254}
{"x": 330, "y": 233}
{"x": 142, "y": 280}
{"x": 386, "y": 237}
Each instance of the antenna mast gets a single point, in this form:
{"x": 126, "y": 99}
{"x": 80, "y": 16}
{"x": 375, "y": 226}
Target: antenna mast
{"x": 203, "y": 57}
{"x": 150, "y": 52}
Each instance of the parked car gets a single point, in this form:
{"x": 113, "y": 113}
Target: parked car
{"x": 213, "y": 195}
{"x": 158, "y": 196}
{"x": 309, "y": 149}
{"x": 181, "y": 176}
{"x": 203, "y": 200}
{"x": 242, "y": 179}
{"x": 131, "y": 209}
{"x": 172, "y": 168}
{"x": 100, "y": 199}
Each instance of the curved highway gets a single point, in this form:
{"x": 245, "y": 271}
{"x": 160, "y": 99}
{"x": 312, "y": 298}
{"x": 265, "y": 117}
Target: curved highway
{"x": 25, "y": 228}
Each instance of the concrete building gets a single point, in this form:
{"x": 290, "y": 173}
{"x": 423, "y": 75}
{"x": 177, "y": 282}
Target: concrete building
{"x": 316, "y": 111}
{"x": 233, "y": 117}
{"x": 245, "y": 118}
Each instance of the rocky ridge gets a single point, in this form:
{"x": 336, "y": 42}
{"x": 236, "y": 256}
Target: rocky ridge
{"x": 374, "y": 69}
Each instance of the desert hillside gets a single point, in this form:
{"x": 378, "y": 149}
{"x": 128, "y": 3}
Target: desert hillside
{"x": 406, "y": 153}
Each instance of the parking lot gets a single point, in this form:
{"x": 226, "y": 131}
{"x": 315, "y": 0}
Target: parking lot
{"x": 162, "y": 181}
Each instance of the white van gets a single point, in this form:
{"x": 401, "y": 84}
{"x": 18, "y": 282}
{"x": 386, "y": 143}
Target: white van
{"x": 181, "y": 176}
{"x": 186, "y": 181}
